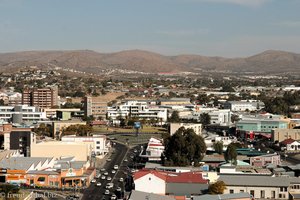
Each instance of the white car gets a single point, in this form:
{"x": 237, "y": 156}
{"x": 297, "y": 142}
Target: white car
{"x": 98, "y": 175}
{"x": 121, "y": 179}
{"x": 106, "y": 192}
{"x": 119, "y": 189}
{"x": 98, "y": 184}
{"x": 109, "y": 185}
{"x": 113, "y": 171}
{"x": 113, "y": 197}
{"x": 108, "y": 178}
{"x": 93, "y": 181}
{"x": 102, "y": 170}
{"x": 116, "y": 167}
{"x": 103, "y": 177}
{"x": 105, "y": 173}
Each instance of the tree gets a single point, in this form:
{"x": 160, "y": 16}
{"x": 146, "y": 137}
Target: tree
{"x": 231, "y": 154}
{"x": 203, "y": 99}
{"x": 43, "y": 129}
{"x": 79, "y": 130}
{"x": 8, "y": 189}
{"x": 184, "y": 147}
{"x": 218, "y": 146}
{"x": 204, "y": 119}
{"x": 1, "y": 102}
{"x": 217, "y": 188}
{"x": 174, "y": 117}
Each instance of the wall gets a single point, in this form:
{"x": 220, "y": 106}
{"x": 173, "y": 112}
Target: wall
{"x": 282, "y": 134}
{"x": 150, "y": 183}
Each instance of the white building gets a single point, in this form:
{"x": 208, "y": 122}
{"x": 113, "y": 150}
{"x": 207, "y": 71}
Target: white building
{"x": 294, "y": 146}
{"x": 21, "y": 113}
{"x": 196, "y": 127}
{"x": 100, "y": 145}
{"x": 137, "y": 109}
{"x": 154, "y": 150}
{"x": 244, "y": 105}
{"x": 217, "y": 116}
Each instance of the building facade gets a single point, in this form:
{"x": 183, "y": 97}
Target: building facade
{"x": 21, "y": 113}
{"x": 196, "y": 127}
{"x": 41, "y": 97}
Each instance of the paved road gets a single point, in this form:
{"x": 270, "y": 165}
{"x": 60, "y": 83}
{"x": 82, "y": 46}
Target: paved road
{"x": 117, "y": 158}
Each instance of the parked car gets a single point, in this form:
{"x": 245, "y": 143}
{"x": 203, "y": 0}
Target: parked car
{"x": 116, "y": 167}
{"x": 113, "y": 197}
{"x": 121, "y": 179}
{"x": 108, "y": 178}
{"x": 98, "y": 184}
{"x": 106, "y": 192}
{"x": 113, "y": 171}
{"x": 93, "y": 181}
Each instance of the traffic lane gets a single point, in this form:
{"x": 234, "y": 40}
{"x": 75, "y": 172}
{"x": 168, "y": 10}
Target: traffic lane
{"x": 94, "y": 192}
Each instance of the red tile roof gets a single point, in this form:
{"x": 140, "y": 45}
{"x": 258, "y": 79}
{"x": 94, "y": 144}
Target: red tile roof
{"x": 287, "y": 141}
{"x": 172, "y": 177}
{"x": 153, "y": 144}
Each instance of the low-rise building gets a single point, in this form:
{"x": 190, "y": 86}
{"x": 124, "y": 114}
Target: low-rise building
{"x": 238, "y": 106}
{"x": 236, "y": 196}
{"x": 280, "y": 134}
{"x": 264, "y": 160}
{"x": 100, "y": 144}
{"x": 170, "y": 183}
{"x": 260, "y": 187}
{"x": 59, "y": 149}
{"x": 21, "y": 113}
{"x": 196, "y": 127}
{"x": 154, "y": 150}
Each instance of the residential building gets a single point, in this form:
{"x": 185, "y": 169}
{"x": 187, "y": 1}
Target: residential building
{"x": 41, "y": 97}
{"x": 211, "y": 176}
{"x": 237, "y": 106}
{"x": 100, "y": 145}
{"x": 137, "y": 109}
{"x": 59, "y": 149}
{"x": 154, "y": 150}
{"x": 21, "y": 113}
{"x": 264, "y": 160}
{"x": 196, "y": 127}
{"x": 260, "y": 187}
{"x": 294, "y": 146}
{"x": 280, "y": 134}
{"x": 170, "y": 183}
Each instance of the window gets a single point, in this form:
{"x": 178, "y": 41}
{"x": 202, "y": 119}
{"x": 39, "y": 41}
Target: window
{"x": 98, "y": 142}
{"x": 231, "y": 191}
{"x": 252, "y": 193}
{"x": 41, "y": 179}
{"x": 262, "y": 194}
{"x": 273, "y": 194}
{"x": 98, "y": 147}
{"x": 242, "y": 191}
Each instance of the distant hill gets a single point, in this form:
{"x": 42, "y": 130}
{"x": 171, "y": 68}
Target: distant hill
{"x": 137, "y": 60}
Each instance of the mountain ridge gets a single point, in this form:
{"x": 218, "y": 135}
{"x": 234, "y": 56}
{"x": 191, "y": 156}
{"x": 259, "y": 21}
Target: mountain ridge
{"x": 270, "y": 61}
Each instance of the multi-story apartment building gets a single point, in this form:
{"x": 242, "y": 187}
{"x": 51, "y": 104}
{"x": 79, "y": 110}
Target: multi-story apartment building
{"x": 21, "y": 113}
{"x": 137, "y": 109}
{"x": 41, "y": 97}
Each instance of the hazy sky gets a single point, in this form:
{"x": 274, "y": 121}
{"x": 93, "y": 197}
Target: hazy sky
{"x": 208, "y": 27}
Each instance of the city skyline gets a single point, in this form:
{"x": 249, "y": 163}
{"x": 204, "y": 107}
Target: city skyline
{"x": 229, "y": 28}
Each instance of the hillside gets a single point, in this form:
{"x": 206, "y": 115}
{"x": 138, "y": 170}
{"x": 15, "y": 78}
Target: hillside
{"x": 144, "y": 61}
